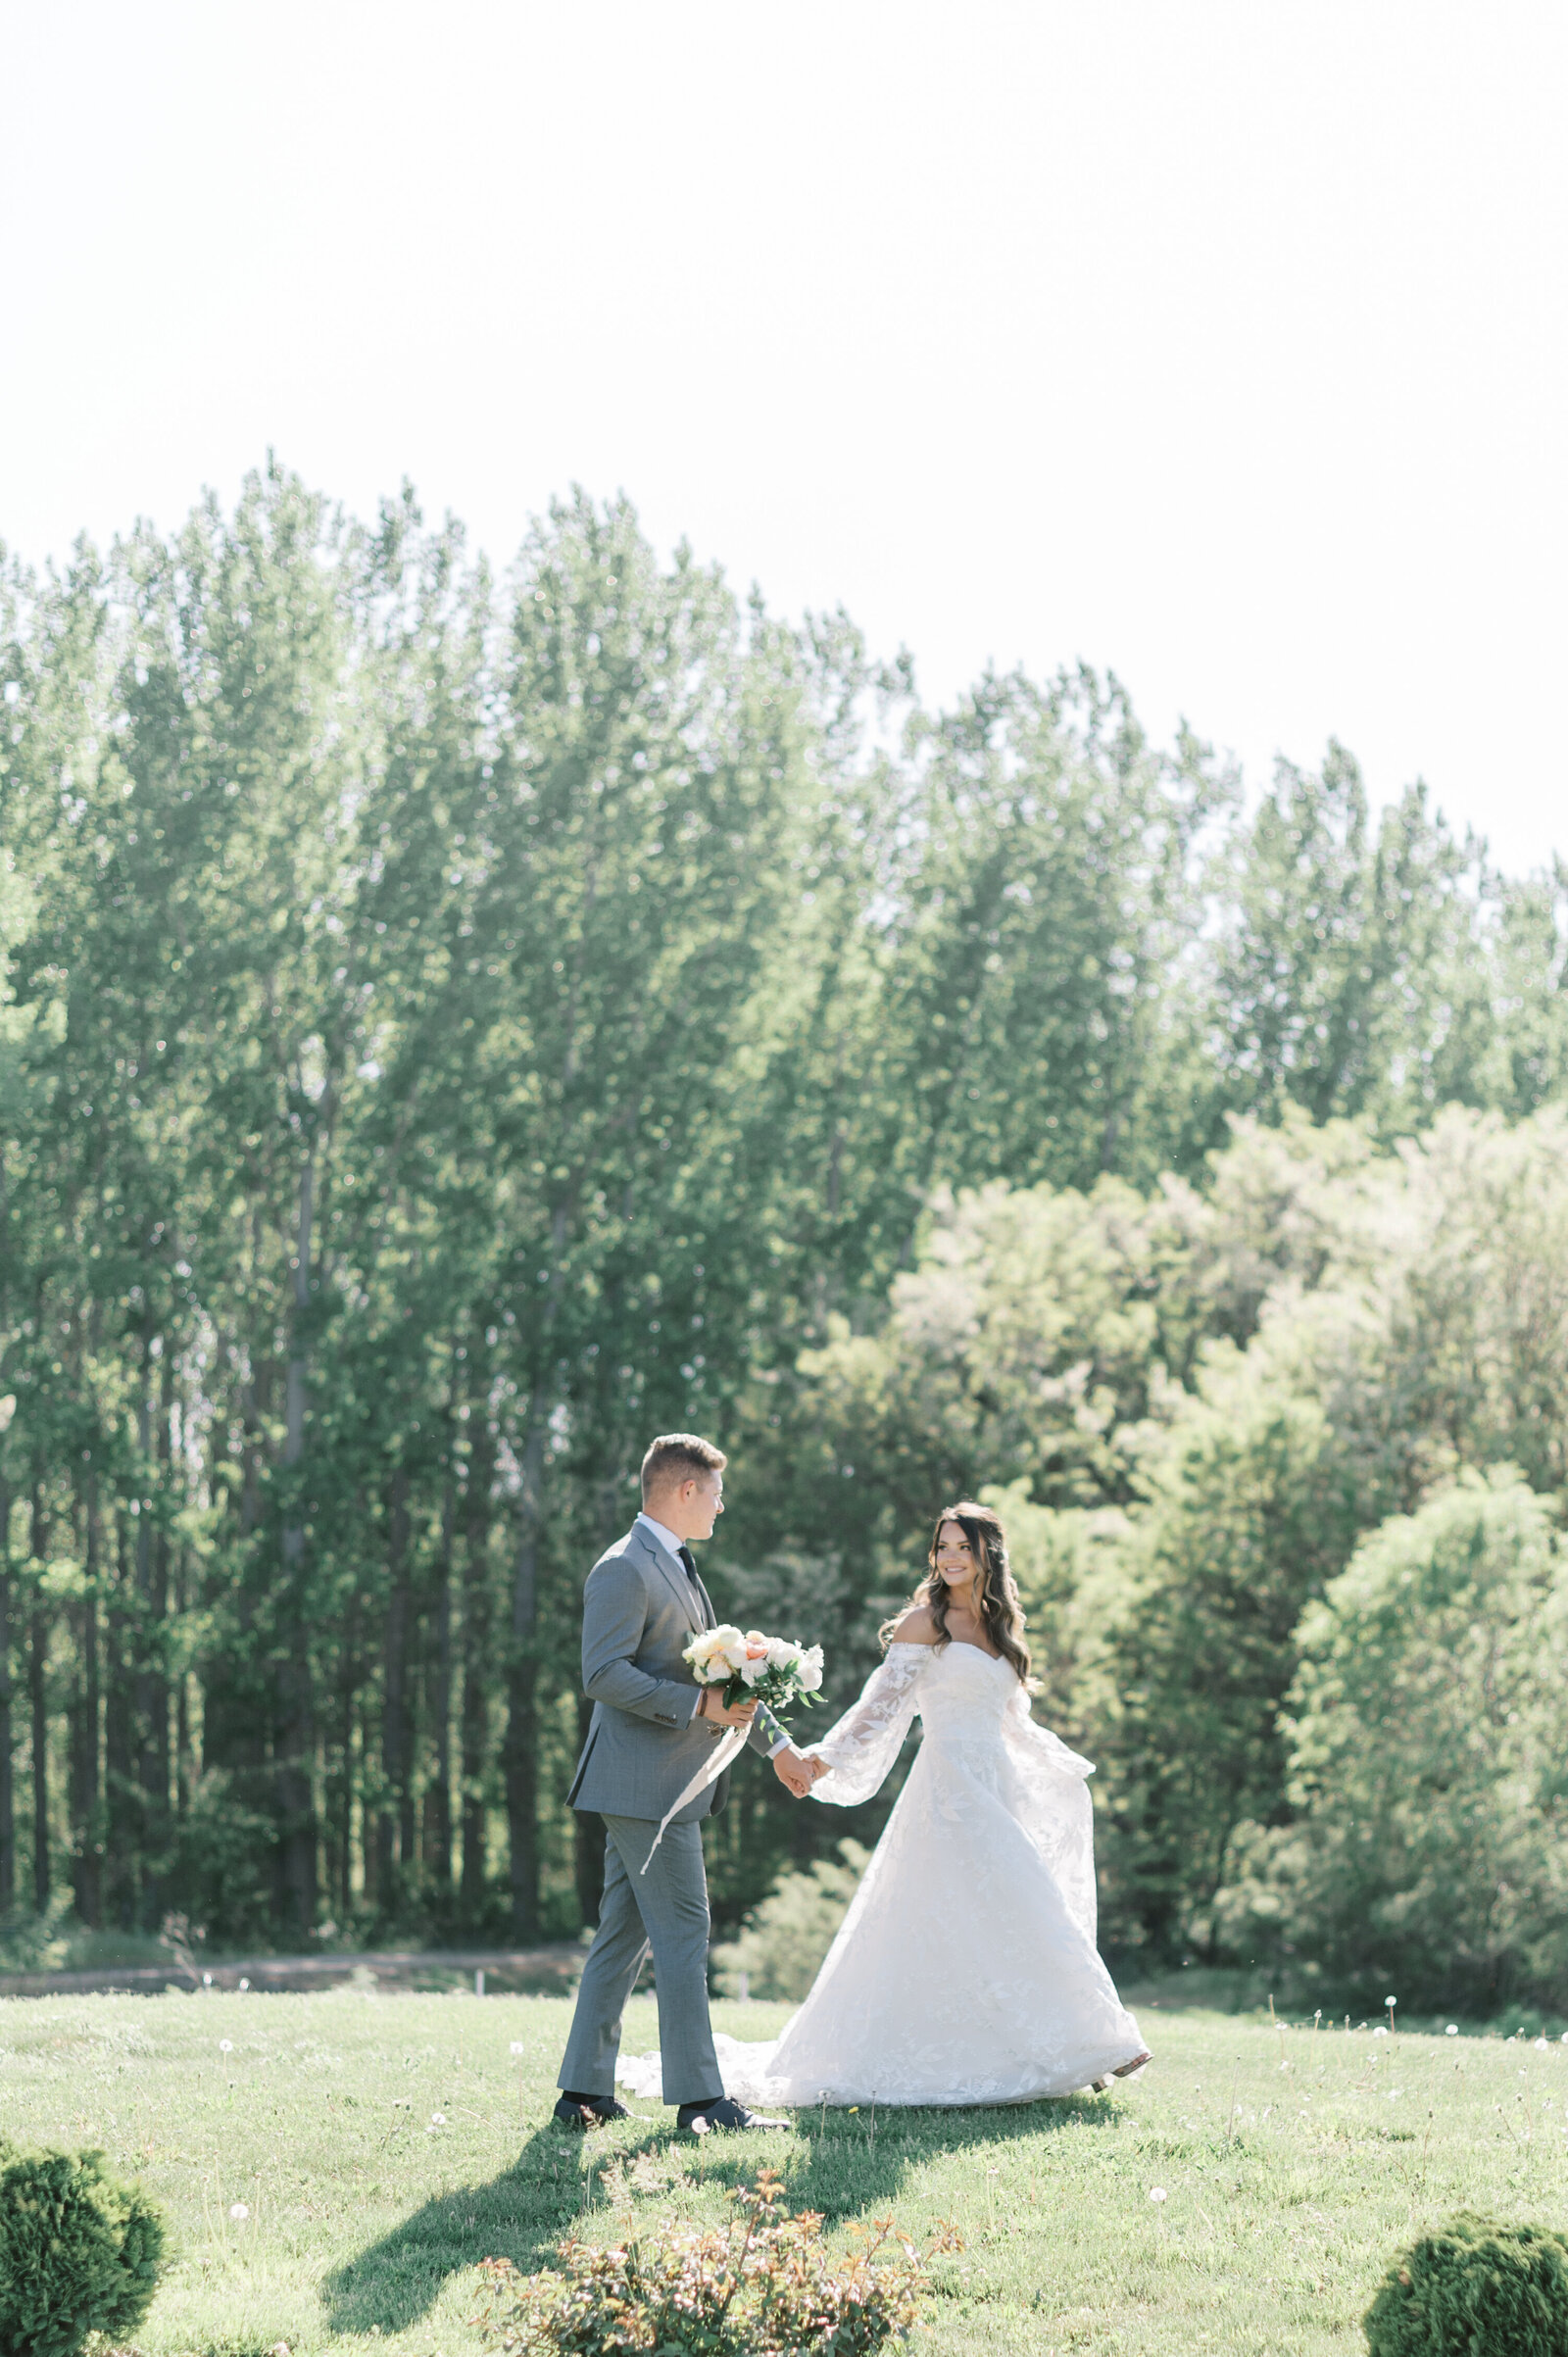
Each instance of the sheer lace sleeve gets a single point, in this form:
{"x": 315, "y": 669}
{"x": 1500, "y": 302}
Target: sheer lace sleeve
{"x": 1054, "y": 1804}
{"x": 862, "y": 1747}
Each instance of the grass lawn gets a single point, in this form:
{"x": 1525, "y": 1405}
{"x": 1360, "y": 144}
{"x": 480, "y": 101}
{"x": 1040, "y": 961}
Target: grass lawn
{"x": 1292, "y": 2165}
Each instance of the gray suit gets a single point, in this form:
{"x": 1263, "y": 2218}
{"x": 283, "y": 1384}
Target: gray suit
{"x": 645, "y": 1744}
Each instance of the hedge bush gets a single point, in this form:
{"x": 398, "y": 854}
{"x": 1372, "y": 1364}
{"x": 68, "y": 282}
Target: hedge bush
{"x": 1475, "y": 2289}
{"x": 79, "y": 2252}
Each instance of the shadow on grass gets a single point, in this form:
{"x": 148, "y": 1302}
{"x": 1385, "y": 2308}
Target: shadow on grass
{"x": 841, "y": 2163}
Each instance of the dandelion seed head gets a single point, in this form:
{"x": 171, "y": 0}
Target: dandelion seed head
{"x": 1452, "y": 2030}
{"x": 225, "y": 2045}
{"x": 239, "y": 2211}
{"x": 1540, "y": 2045}
{"x": 1157, "y": 2193}
{"x": 516, "y": 2045}
{"x": 438, "y": 2119}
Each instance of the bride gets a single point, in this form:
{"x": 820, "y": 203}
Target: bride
{"x": 965, "y": 1970}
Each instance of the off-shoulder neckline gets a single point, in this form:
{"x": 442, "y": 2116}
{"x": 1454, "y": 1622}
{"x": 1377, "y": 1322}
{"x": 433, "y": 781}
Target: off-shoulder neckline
{"x": 928, "y": 1645}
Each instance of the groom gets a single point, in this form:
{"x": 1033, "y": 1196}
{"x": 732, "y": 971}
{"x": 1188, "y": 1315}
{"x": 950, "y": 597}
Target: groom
{"x": 652, "y": 1728}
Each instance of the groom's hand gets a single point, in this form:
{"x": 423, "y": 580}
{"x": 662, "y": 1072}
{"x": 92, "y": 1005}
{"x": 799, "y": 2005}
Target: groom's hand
{"x": 793, "y": 1769}
{"x": 710, "y": 1707}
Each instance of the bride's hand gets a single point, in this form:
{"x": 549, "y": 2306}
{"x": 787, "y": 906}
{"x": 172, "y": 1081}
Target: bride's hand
{"x": 793, "y": 1769}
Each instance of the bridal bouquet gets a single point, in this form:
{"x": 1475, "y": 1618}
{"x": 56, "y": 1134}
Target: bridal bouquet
{"x": 752, "y": 1667}
{"x": 749, "y": 1667}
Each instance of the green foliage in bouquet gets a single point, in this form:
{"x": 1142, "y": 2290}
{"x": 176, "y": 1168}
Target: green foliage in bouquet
{"x": 766, "y": 2288}
{"x": 79, "y": 2252}
{"x": 1475, "y": 2285}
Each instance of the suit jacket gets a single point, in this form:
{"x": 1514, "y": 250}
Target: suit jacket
{"x": 645, "y": 1740}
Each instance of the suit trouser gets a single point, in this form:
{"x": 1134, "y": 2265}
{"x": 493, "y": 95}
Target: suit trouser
{"x": 666, "y": 1909}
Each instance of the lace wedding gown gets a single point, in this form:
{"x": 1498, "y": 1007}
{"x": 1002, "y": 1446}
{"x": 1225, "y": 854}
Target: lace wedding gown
{"x": 965, "y": 1970}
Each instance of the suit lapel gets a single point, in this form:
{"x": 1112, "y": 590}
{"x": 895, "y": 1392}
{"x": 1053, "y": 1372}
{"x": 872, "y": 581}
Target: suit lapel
{"x": 675, "y": 1580}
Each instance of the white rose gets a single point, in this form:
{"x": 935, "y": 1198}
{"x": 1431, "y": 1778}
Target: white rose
{"x": 782, "y": 1653}
{"x": 809, "y": 1669}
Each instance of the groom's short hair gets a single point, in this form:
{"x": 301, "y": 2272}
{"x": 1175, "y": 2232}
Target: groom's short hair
{"x": 679, "y": 1456}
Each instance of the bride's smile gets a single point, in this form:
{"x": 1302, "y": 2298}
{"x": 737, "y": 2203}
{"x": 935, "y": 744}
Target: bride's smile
{"x": 952, "y": 1559}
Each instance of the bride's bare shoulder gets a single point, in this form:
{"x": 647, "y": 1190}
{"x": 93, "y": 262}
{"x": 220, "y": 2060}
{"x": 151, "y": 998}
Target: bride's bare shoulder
{"x": 914, "y": 1627}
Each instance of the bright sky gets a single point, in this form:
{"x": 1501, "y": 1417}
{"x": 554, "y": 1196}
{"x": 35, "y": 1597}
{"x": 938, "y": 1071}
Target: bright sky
{"x": 1225, "y": 344}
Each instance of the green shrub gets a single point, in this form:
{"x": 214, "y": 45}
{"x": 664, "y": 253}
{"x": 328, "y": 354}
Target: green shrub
{"x": 766, "y": 2288}
{"x": 783, "y": 1941}
{"x": 1428, "y": 1733}
{"x": 79, "y": 2252}
{"x": 1475, "y": 2289}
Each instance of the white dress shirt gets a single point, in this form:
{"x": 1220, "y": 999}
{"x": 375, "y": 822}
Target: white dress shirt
{"x": 672, "y": 1546}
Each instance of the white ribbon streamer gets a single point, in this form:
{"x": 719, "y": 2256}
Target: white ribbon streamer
{"x": 729, "y": 1745}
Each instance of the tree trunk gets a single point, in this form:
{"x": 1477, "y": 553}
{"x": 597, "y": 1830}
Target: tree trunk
{"x": 38, "y": 1623}
{"x": 587, "y": 1837}
{"x": 119, "y": 1815}
{"x": 475, "y": 1659}
{"x": 86, "y": 1766}
{"x": 522, "y": 1733}
{"x": 394, "y": 1832}
{"x": 438, "y": 1710}
{"x": 296, "y": 1739}
{"x": 8, "y": 1805}
{"x": 151, "y": 1689}
{"x": 186, "y": 1769}
{"x": 38, "y": 1695}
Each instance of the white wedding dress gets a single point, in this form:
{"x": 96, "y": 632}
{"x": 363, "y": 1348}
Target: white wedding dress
{"x": 965, "y": 1970}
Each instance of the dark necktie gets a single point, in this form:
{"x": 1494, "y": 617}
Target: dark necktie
{"x": 689, "y": 1560}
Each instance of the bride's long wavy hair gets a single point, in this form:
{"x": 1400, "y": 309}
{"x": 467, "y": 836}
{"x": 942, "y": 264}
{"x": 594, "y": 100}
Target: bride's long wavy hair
{"x": 999, "y": 1608}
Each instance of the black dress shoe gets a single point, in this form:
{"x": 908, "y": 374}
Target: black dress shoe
{"x": 718, "y": 2111}
{"x": 588, "y": 2111}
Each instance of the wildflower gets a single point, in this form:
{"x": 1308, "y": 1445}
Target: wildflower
{"x": 1452, "y": 2030}
{"x": 238, "y": 2211}
{"x": 1380, "y": 2030}
{"x": 225, "y": 2045}
{"x": 516, "y": 2045}
{"x": 1540, "y": 2045}
{"x": 244, "y": 1984}
{"x": 1157, "y": 2193}
{"x": 438, "y": 2119}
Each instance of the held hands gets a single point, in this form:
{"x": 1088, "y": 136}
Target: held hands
{"x": 793, "y": 1769}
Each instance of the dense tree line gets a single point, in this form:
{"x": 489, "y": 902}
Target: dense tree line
{"x": 455, "y": 1027}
